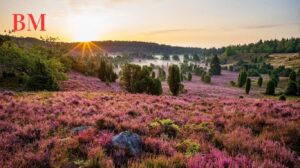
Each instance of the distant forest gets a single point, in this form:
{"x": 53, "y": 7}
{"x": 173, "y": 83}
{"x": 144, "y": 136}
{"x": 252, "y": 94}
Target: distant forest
{"x": 291, "y": 45}
{"x": 145, "y": 47}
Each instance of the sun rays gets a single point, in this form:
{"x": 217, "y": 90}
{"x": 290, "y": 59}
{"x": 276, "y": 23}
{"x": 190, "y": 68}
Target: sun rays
{"x": 86, "y": 49}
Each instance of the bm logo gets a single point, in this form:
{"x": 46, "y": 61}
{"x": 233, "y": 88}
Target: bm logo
{"x": 28, "y": 22}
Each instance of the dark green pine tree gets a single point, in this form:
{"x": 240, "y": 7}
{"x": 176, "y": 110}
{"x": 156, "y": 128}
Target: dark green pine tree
{"x": 102, "y": 71}
{"x": 215, "y": 67}
{"x": 292, "y": 88}
{"x": 242, "y": 78}
{"x": 275, "y": 78}
{"x": 190, "y": 76}
{"x": 248, "y": 85}
{"x": 293, "y": 76}
{"x": 260, "y": 81}
{"x": 174, "y": 80}
{"x": 270, "y": 90}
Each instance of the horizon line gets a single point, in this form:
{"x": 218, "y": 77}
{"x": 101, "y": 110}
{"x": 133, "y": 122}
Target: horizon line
{"x": 141, "y": 41}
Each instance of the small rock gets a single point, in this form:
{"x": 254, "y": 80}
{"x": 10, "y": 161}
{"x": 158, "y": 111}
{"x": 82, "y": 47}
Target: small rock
{"x": 128, "y": 141}
{"x": 124, "y": 146}
{"x": 77, "y": 130}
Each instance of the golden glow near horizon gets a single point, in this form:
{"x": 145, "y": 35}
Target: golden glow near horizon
{"x": 84, "y": 28}
{"x": 201, "y": 23}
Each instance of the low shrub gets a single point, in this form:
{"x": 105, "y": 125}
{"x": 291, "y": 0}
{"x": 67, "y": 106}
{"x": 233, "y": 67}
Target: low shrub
{"x": 207, "y": 78}
{"x": 282, "y": 98}
{"x": 207, "y": 128}
{"x": 168, "y": 126}
{"x": 188, "y": 147}
{"x": 292, "y": 88}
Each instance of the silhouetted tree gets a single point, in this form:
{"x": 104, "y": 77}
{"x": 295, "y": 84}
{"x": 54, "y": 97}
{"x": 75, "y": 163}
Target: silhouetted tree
{"x": 196, "y": 57}
{"x": 106, "y": 72}
{"x": 186, "y": 58}
{"x": 248, "y": 85}
{"x": 215, "y": 67}
{"x": 190, "y": 76}
{"x": 165, "y": 57}
{"x": 275, "y": 78}
{"x": 176, "y": 58}
{"x": 270, "y": 90}
{"x": 161, "y": 74}
{"x": 292, "y": 88}
{"x": 293, "y": 76}
{"x": 129, "y": 75}
{"x": 260, "y": 81}
{"x": 242, "y": 78}
{"x": 174, "y": 80}
{"x": 157, "y": 88}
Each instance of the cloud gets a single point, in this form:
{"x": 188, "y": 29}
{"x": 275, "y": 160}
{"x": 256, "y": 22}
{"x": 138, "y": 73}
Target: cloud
{"x": 267, "y": 26}
{"x": 168, "y": 31}
{"x": 263, "y": 26}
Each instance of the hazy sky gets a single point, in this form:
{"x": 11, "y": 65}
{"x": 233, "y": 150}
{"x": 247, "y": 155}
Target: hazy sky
{"x": 202, "y": 23}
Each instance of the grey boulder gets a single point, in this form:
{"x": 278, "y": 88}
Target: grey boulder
{"x": 129, "y": 142}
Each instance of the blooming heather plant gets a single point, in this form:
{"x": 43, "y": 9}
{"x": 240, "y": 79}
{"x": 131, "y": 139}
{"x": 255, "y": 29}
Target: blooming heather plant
{"x": 37, "y": 129}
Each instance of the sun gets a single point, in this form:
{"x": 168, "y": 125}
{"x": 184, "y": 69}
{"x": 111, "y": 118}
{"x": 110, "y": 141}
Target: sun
{"x": 85, "y": 28}
{"x": 84, "y": 36}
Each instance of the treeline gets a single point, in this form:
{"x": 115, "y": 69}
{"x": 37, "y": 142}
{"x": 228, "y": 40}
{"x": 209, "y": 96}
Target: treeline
{"x": 134, "y": 47}
{"x": 291, "y": 45}
{"x": 145, "y": 47}
{"x": 284, "y": 45}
